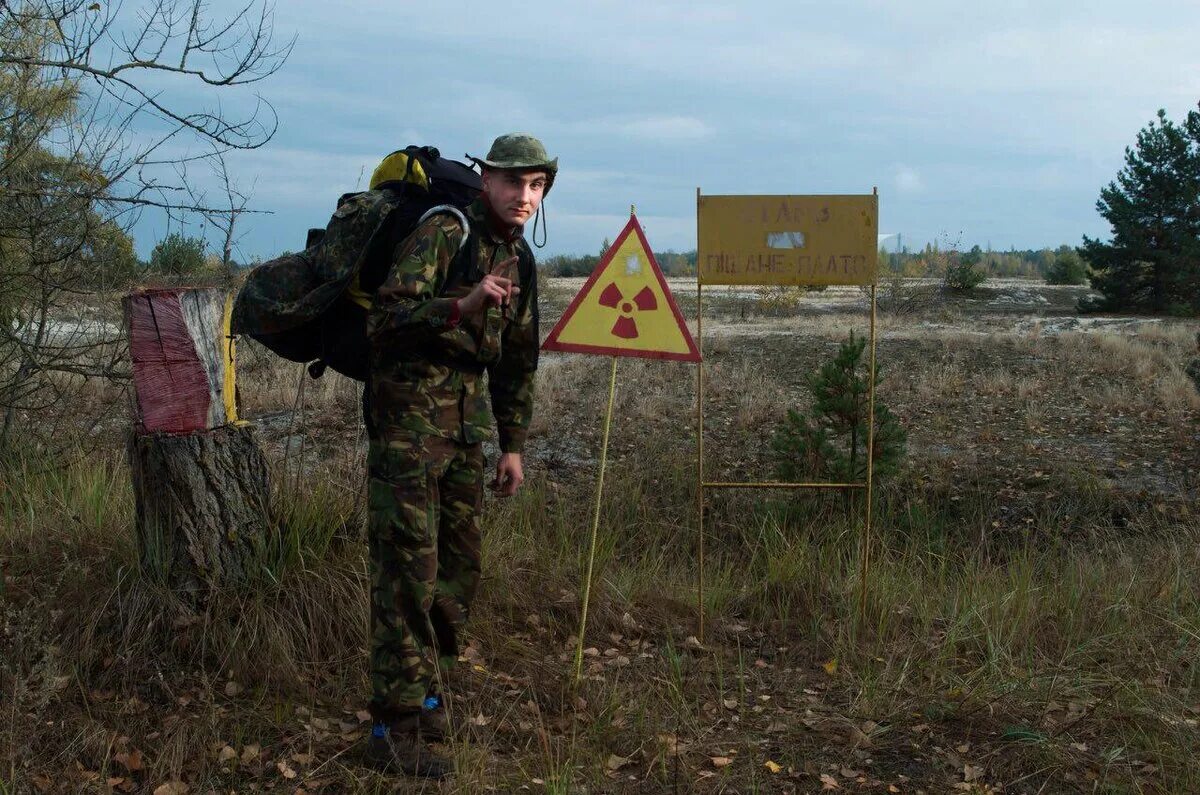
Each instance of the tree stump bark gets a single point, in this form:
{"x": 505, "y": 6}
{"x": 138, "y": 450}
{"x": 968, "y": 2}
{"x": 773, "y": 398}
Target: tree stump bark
{"x": 202, "y": 505}
{"x": 200, "y": 480}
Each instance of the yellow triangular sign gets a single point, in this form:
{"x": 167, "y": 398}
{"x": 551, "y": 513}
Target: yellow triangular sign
{"x": 625, "y": 308}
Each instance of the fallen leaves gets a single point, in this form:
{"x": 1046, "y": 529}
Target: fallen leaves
{"x": 471, "y": 655}
{"x": 172, "y": 788}
{"x": 859, "y": 738}
{"x": 721, "y": 761}
{"x": 670, "y": 744}
{"x": 131, "y": 761}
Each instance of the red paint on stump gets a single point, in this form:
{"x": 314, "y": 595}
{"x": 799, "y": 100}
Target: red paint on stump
{"x": 169, "y": 380}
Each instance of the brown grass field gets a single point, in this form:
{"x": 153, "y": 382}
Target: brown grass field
{"x": 1032, "y": 621}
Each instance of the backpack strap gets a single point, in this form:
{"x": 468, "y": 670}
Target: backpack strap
{"x": 527, "y": 268}
{"x": 464, "y": 264}
{"x": 448, "y": 208}
{"x": 456, "y": 264}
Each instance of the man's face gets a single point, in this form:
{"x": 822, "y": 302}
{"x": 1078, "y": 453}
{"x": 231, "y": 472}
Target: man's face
{"x": 514, "y": 195}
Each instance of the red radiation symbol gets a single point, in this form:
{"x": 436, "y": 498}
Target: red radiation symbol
{"x": 626, "y": 325}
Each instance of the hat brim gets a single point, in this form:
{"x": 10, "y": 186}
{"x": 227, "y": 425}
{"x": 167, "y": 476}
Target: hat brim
{"x": 550, "y": 166}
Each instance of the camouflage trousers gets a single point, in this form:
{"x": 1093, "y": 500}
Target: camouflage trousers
{"x": 425, "y": 495}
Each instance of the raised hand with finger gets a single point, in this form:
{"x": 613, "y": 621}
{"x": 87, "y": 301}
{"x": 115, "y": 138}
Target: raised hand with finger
{"x": 492, "y": 290}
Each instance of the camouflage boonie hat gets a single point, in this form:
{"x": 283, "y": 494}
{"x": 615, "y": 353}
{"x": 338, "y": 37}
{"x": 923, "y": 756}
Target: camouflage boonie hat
{"x": 518, "y": 151}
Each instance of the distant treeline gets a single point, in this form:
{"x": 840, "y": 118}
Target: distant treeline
{"x": 1062, "y": 265}
{"x": 178, "y": 255}
{"x": 673, "y": 263}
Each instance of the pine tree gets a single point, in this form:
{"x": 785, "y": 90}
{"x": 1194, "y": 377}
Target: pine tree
{"x": 831, "y": 442}
{"x": 1152, "y": 262}
{"x": 178, "y": 255}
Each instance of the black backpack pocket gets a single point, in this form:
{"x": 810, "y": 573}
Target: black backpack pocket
{"x": 344, "y": 344}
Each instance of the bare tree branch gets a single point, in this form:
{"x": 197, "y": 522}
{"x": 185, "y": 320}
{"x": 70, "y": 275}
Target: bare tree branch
{"x": 99, "y": 122}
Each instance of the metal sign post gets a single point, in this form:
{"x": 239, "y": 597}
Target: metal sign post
{"x": 785, "y": 240}
{"x": 591, "y": 560}
{"x": 624, "y": 309}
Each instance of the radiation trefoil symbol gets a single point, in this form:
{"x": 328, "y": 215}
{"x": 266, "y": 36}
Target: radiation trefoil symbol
{"x": 625, "y": 308}
{"x": 625, "y": 326}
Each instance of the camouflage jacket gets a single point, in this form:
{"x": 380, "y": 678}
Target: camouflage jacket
{"x": 427, "y": 362}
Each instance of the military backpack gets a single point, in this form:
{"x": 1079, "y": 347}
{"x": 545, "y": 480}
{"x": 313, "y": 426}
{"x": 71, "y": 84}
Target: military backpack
{"x": 312, "y": 306}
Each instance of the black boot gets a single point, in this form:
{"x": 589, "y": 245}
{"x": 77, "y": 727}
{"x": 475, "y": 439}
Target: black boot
{"x": 435, "y": 727}
{"x": 403, "y": 748}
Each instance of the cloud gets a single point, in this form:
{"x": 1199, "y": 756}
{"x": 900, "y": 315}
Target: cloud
{"x": 649, "y": 127}
{"x": 908, "y": 180}
{"x": 1004, "y": 121}
{"x": 662, "y": 231}
{"x": 667, "y": 128}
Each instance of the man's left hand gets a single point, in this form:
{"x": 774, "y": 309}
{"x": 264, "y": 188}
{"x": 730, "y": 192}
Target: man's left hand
{"x": 509, "y": 475}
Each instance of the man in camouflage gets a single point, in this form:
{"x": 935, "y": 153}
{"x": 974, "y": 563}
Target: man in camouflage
{"x": 460, "y": 300}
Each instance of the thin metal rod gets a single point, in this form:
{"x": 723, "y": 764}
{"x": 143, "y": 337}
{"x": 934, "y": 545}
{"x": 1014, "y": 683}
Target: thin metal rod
{"x": 699, "y": 432}
{"x": 773, "y": 485}
{"x": 587, "y": 581}
{"x": 866, "y": 538}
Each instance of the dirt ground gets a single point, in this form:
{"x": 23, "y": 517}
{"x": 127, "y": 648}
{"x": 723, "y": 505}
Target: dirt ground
{"x": 1009, "y": 382}
{"x": 1009, "y": 379}
{"x": 1029, "y": 427}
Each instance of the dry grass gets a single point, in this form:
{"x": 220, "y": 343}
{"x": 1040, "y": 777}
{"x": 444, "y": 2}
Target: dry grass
{"x": 1032, "y": 620}
{"x": 1075, "y": 651}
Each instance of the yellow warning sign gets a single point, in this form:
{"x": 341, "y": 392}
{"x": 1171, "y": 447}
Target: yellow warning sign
{"x": 787, "y": 239}
{"x": 625, "y": 308}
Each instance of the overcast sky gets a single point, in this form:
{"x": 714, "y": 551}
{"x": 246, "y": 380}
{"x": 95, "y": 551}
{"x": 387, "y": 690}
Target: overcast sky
{"x": 995, "y": 124}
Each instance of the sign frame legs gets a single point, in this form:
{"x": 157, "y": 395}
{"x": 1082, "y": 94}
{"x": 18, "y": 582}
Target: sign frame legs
{"x": 701, "y": 485}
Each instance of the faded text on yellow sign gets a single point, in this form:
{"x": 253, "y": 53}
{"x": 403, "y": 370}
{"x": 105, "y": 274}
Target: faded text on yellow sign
{"x": 788, "y": 239}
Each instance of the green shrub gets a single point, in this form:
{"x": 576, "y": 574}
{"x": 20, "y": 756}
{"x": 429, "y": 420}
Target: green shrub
{"x": 962, "y": 275}
{"x": 779, "y": 300}
{"x": 1067, "y": 267}
{"x": 830, "y": 442}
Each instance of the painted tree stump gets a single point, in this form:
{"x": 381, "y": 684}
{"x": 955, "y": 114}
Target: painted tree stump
{"x": 200, "y": 480}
